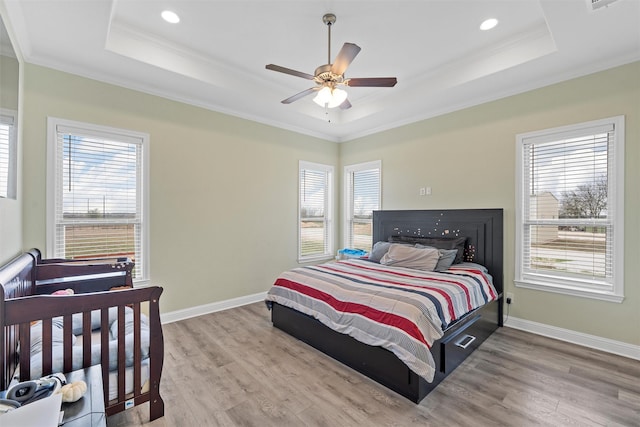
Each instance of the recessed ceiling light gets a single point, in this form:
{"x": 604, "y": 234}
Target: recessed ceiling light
{"x": 170, "y": 17}
{"x": 488, "y": 24}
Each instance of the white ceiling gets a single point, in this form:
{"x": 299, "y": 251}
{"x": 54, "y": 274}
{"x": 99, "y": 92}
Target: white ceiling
{"x": 216, "y": 56}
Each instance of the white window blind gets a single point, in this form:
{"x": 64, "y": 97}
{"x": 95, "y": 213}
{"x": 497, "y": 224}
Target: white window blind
{"x": 569, "y": 221}
{"x": 99, "y": 196}
{"x": 7, "y": 155}
{"x": 315, "y": 229}
{"x": 362, "y": 197}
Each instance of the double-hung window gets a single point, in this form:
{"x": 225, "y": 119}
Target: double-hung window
{"x": 8, "y": 153}
{"x": 97, "y": 194}
{"x": 315, "y": 224}
{"x": 569, "y": 212}
{"x": 362, "y": 197}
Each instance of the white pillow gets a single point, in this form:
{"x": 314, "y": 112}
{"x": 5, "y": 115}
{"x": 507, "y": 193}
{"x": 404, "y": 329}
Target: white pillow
{"x": 410, "y": 257}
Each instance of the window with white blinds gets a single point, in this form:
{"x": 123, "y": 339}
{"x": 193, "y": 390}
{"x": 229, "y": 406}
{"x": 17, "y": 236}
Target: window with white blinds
{"x": 362, "y": 197}
{"x": 570, "y": 209}
{"x": 7, "y": 154}
{"x": 315, "y": 225}
{"x": 97, "y": 195}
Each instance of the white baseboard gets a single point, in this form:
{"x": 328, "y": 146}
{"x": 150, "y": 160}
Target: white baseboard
{"x": 187, "y": 313}
{"x": 586, "y": 340}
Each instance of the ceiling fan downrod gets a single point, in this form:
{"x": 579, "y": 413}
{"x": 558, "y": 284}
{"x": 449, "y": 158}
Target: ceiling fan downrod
{"x": 329, "y": 19}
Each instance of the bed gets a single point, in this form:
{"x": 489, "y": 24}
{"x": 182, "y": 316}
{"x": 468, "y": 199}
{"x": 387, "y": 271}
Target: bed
{"x": 386, "y": 359}
{"x": 68, "y": 332}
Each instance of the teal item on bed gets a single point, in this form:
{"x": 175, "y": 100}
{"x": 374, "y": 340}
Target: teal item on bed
{"x": 352, "y": 253}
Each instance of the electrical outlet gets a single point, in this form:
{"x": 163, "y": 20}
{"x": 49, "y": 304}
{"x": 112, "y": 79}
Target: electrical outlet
{"x": 509, "y": 298}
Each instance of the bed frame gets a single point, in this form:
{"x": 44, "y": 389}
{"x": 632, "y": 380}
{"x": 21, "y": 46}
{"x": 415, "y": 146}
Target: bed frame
{"x": 483, "y": 229}
{"x": 26, "y": 283}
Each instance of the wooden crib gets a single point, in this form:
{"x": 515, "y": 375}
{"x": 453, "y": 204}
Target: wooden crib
{"x": 27, "y": 283}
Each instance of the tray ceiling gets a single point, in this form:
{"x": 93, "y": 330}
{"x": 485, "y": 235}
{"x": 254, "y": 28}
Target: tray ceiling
{"x": 215, "y": 56}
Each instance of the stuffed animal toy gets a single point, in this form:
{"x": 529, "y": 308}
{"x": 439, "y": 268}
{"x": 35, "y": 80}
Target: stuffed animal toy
{"x": 73, "y": 391}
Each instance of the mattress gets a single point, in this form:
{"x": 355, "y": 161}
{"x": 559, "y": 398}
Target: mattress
{"x": 128, "y": 372}
{"x": 128, "y": 380}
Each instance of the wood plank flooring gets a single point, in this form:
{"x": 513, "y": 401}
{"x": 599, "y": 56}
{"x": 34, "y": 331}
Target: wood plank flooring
{"x": 233, "y": 368}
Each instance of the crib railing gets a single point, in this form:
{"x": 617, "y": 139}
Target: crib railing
{"x": 25, "y": 310}
{"x": 26, "y": 283}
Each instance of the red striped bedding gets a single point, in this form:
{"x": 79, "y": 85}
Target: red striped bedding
{"x": 400, "y": 309}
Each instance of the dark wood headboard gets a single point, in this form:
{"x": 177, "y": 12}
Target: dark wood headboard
{"x": 482, "y": 228}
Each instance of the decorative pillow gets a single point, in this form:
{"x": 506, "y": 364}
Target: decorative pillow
{"x": 381, "y": 248}
{"x": 447, "y": 256}
{"x": 378, "y": 251}
{"x": 76, "y": 320}
{"x": 458, "y": 243}
{"x": 410, "y": 257}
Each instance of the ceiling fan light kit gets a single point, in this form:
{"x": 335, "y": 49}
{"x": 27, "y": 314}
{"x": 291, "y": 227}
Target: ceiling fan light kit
{"x": 330, "y": 98}
{"x": 330, "y": 76}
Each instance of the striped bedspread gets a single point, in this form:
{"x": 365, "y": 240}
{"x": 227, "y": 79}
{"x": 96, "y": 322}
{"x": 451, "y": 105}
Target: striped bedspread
{"x": 400, "y": 309}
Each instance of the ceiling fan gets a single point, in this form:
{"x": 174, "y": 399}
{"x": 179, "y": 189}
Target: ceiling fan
{"x": 330, "y": 77}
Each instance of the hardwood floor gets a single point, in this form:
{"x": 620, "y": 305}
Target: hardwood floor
{"x": 232, "y": 368}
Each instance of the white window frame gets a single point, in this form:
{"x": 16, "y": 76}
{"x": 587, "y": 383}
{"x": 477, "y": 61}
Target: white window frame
{"x": 328, "y": 209}
{"x": 349, "y": 172}
{"x": 54, "y": 184}
{"x": 10, "y": 118}
{"x": 611, "y": 289}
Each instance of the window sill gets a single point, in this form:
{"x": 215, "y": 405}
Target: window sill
{"x": 141, "y": 283}
{"x": 568, "y": 290}
{"x": 315, "y": 259}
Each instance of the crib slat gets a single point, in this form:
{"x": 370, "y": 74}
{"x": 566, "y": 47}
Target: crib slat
{"x": 67, "y": 334}
{"x": 121, "y": 354}
{"x": 137, "y": 350}
{"x": 6, "y": 351}
{"x": 46, "y": 346}
{"x": 104, "y": 351}
{"x": 86, "y": 339}
{"x": 25, "y": 342}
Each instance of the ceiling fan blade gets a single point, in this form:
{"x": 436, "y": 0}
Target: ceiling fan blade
{"x": 300, "y": 95}
{"x": 345, "y": 105}
{"x": 372, "y": 82}
{"x": 344, "y": 58}
{"x": 280, "y": 69}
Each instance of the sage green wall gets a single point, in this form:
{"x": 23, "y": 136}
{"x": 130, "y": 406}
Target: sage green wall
{"x": 223, "y": 189}
{"x": 10, "y": 209}
{"x": 9, "y": 71}
{"x": 468, "y": 159}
